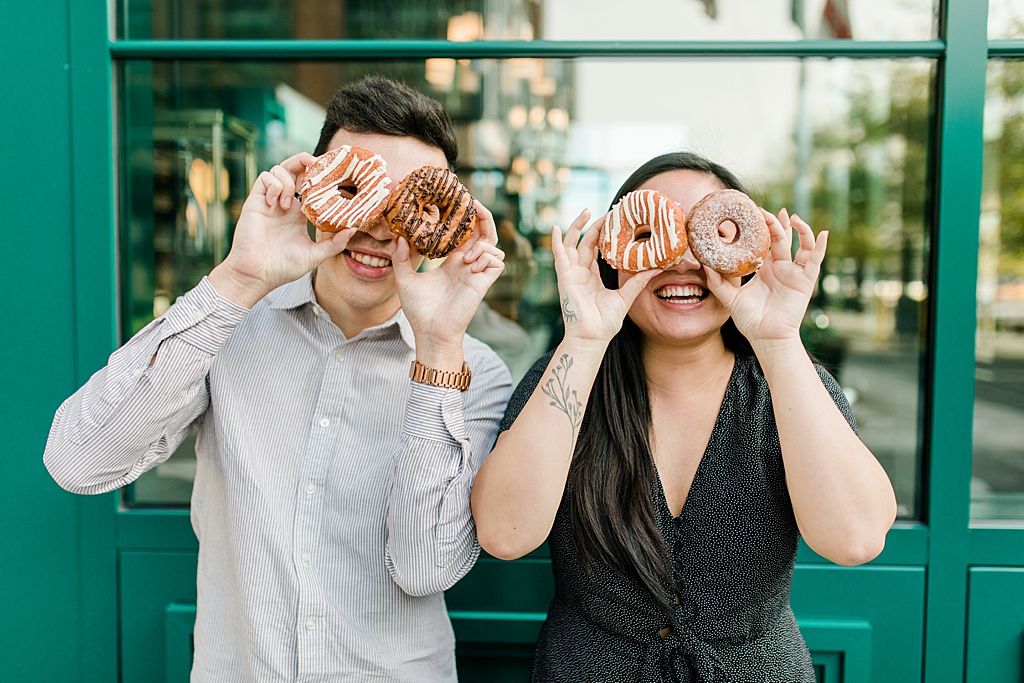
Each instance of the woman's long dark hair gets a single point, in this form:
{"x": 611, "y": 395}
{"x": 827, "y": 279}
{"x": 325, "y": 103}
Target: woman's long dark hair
{"x": 609, "y": 486}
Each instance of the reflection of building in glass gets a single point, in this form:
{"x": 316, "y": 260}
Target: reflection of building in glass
{"x": 542, "y": 139}
{"x": 997, "y": 486}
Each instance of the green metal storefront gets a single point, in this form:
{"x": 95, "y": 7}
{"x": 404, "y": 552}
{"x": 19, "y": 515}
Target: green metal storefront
{"x": 93, "y": 591}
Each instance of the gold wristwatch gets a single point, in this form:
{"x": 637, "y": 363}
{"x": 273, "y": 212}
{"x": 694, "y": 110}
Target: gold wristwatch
{"x": 441, "y": 378}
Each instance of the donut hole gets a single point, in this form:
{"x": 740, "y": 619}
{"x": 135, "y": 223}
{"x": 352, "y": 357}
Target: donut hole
{"x": 728, "y": 232}
{"x": 347, "y": 191}
{"x": 432, "y": 214}
{"x": 642, "y": 233}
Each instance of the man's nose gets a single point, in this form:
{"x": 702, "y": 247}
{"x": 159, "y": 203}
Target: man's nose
{"x": 381, "y": 231}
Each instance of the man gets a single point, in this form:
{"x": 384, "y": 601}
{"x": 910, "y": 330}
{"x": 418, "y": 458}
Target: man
{"x": 331, "y": 498}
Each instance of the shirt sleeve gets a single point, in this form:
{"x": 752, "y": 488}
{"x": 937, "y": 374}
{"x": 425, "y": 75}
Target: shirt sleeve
{"x": 133, "y": 413}
{"x": 447, "y": 433}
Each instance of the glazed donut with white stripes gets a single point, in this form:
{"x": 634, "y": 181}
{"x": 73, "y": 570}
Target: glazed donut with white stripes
{"x": 626, "y": 246}
{"x": 322, "y": 189}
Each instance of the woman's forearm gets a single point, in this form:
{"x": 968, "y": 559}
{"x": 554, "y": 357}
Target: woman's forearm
{"x": 520, "y": 485}
{"x": 842, "y": 498}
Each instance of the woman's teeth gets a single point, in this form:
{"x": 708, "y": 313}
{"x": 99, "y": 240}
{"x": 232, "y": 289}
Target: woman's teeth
{"x": 682, "y": 293}
{"x": 368, "y": 260}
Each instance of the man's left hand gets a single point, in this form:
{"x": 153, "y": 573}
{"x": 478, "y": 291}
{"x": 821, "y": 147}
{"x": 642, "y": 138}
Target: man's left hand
{"x": 440, "y": 303}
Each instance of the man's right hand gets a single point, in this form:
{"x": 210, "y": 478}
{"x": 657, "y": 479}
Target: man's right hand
{"x": 271, "y": 246}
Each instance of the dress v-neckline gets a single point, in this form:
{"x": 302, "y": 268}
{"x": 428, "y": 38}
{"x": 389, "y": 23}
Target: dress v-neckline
{"x": 663, "y": 499}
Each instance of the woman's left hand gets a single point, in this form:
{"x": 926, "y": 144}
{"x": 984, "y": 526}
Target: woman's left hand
{"x": 771, "y": 306}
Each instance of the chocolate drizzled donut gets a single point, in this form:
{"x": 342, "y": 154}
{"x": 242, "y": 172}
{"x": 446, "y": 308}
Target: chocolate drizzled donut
{"x": 433, "y": 210}
{"x": 746, "y": 252}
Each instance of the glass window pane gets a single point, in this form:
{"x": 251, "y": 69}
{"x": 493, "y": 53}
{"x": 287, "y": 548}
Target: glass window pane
{"x": 842, "y": 142}
{"x": 997, "y": 486}
{"x": 463, "y": 20}
{"x": 1005, "y": 19}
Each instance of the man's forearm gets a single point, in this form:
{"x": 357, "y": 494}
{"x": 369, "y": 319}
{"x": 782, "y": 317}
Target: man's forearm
{"x": 134, "y": 412}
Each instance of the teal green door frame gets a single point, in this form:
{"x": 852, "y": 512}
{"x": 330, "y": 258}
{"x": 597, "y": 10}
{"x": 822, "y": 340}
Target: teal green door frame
{"x": 955, "y": 249}
{"x": 78, "y": 541}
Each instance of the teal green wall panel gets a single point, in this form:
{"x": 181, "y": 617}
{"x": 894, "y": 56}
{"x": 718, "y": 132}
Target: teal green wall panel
{"x": 41, "y": 630}
{"x": 889, "y": 599}
{"x": 91, "y": 157}
{"x": 997, "y": 545}
{"x": 150, "y": 581}
{"x": 995, "y": 625}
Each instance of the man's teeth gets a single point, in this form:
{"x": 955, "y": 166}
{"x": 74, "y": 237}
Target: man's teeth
{"x": 681, "y": 292}
{"x": 368, "y": 260}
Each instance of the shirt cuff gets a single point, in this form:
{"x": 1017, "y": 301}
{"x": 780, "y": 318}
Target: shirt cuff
{"x": 435, "y": 413}
{"x": 203, "y": 318}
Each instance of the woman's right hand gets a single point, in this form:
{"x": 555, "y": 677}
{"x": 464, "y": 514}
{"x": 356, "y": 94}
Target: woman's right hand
{"x": 593, "y": 314}
{"x": 270, "y": 246}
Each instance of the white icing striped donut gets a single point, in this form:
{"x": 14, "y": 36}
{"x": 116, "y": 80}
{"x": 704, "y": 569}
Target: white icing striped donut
{"x": 643, "y": 208}
{"x": 320, "y": 189}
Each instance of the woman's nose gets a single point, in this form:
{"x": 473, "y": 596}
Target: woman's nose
{"x": 688, "y": 262}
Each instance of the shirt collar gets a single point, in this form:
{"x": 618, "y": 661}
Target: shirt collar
{"x": 300, "y": 292}
{"x": 293, "y": 294}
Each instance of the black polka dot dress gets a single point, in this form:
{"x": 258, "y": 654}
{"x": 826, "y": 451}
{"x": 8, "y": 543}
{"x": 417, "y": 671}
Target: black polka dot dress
{"x": 733, "y": 548}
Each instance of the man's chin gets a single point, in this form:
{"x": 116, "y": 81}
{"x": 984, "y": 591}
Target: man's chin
{"x": 355, "y": 291}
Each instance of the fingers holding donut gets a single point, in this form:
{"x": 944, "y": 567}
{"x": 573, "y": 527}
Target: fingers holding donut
{"x": 487, "y": 230}
{"x": 811, "y": 253}
{"x": 287, "y": 180}
{"x": 490, "y": 258}
{"x": 589, "y": 245}
{"x": 285, "y": 173}
{"x": 484, "y": 256}
{"x": 781, "y": 235}
{"x": 297, "y": 163}
{"x": 269, "y": 187}
{"x": 484, "y": 233}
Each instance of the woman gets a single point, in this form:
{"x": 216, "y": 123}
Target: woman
{"x": 672, "y": 457}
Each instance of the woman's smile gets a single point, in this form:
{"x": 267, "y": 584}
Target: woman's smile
{"x": 676, "y": 294}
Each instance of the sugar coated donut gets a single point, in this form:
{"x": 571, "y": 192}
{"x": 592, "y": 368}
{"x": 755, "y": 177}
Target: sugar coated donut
{"x": 433, "y": 210}
{"x": 744, "y": 254}
{"x": 320, "y": 189}
{"x": 643, "y": 208}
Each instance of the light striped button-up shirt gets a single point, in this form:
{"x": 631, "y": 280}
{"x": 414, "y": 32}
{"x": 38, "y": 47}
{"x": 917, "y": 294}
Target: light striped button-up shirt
{"x": 331, "y": 498}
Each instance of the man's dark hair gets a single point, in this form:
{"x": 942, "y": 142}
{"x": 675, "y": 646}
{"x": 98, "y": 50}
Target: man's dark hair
{"x": 379, "y": 105}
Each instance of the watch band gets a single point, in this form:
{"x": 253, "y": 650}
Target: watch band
{"x": 441, "y": 378}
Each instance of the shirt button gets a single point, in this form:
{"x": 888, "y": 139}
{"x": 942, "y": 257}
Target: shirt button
{"x": 324, "y": 422}
{"x": 136, "y": 372}
{"x": 339, "y": 356}
{"x": 447, "y": 415}
{"x": 305, "y": 557}
{"x": 310, "y": 489}
{"x": 310, "y": 624}
{"x": 198, "y": 315}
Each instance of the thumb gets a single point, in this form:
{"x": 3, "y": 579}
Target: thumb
{"x": 634, "y": 285}
{"x": 325, "y": 249}
{"x": 723, "y": 290}
{"x": 401, "y": 262}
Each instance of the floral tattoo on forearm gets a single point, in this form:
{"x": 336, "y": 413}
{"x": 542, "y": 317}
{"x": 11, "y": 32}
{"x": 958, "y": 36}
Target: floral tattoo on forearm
{"x": 568, "y": 314}
{"x": 563, "y": 397}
